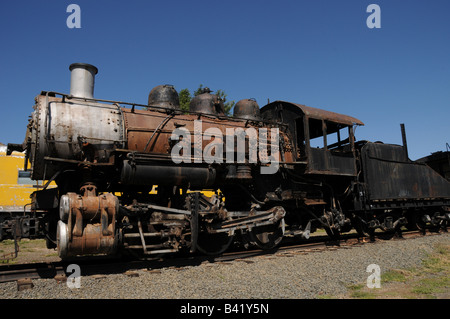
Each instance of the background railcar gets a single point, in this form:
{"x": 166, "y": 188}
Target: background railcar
{"x": 16, "y": 188}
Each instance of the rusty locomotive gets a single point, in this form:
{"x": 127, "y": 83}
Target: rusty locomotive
{"x": 132, "y": 179}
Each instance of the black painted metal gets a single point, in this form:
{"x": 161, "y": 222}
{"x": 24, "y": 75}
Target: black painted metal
{"x": 390, "y": 175}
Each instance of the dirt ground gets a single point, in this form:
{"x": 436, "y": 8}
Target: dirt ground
{"x": 30, "y": 251}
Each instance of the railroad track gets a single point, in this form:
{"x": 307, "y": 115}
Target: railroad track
{"x": 318, "y": 244}
{"x": 105, "y": 266}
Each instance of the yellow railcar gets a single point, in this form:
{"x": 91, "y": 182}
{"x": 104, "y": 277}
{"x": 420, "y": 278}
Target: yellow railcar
{"x": 15, "y": 190}
{"x": 15, "y": 186}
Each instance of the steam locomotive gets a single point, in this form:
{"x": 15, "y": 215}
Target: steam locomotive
{"x": 283, "y": 170}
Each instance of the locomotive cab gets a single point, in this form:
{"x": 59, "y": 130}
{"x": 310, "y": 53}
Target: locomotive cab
{"x": 323, "y": 140}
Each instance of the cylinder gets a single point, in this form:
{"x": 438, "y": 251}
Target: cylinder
{"x": 87, "y": 225}
{"x": 92, "y": 241}
{"x": 90, "y": 205}
{"x": 167, "y": 175}
{"x": 82, "y": 78}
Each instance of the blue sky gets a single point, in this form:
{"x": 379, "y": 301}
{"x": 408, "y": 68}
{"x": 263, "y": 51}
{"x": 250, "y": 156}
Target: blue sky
{"x": 317, "y": 53}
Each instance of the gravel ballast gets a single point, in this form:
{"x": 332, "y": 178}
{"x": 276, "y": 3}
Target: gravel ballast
{"x": 325, "y": 273}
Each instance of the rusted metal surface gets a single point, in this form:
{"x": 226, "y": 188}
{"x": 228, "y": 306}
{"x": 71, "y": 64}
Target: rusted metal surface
{"x": 71, "y": 130}
{"x": 330, "y": 159}
{"x": 322, "y": 161}
{"x": 31, "y": 271}
{"x": 87, "y": 224}
{"x": 438, "y": 161}
{"x": 247, "y": 109}
{"x": 390, "y": 175}
{"x": 207, "y": 103}
{"x": 66, "y": 131}
{"x": 316, "y": 113}
{"x": 255, "y": 219}
{"x": 151, "y": 131}
{"x": 164, "y": 96}
{"x": 86, "y": 144}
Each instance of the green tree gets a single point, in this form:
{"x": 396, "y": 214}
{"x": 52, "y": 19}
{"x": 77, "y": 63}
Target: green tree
{"x": 185, "y": 98}
{"x": 228, "y": 106}
{"x": 199, "y": 90}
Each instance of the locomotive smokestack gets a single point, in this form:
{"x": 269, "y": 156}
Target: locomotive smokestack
{"x": 82, "y": 80}
{"x": 405, "y": 144}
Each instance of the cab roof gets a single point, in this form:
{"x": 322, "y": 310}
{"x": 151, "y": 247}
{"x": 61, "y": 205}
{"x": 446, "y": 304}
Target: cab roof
{"x": 315, "y": 113}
